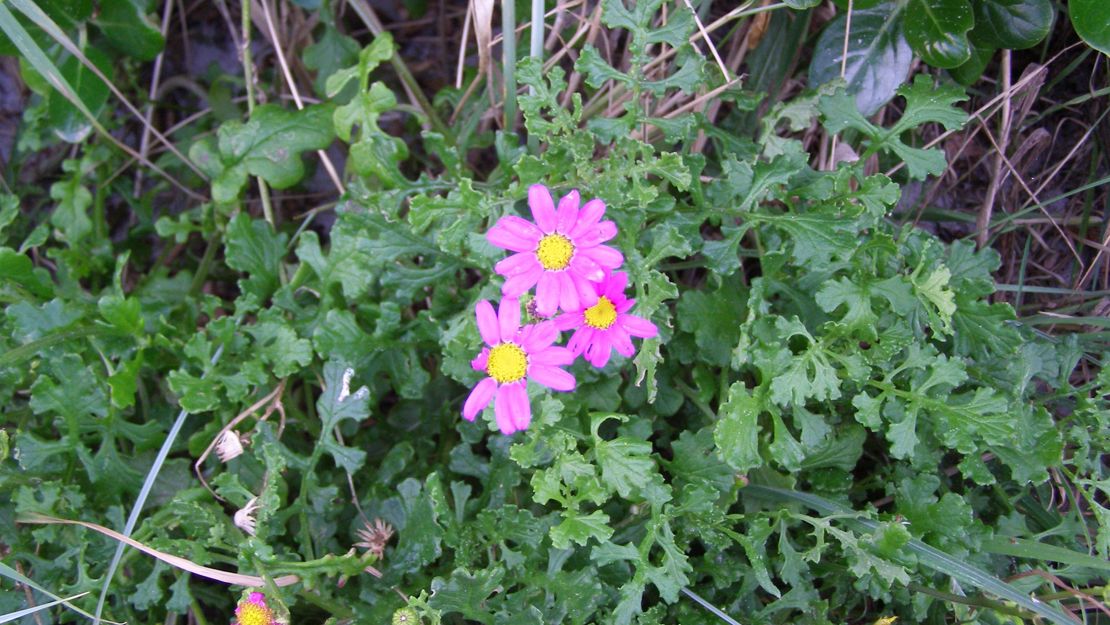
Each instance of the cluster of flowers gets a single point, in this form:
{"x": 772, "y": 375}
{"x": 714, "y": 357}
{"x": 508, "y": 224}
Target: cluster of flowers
{"x": 562, "y": 255}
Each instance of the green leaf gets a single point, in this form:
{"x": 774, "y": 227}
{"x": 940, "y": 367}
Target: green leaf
{"x": 955, "y": 567}
{"x": 1091, "y": 19}
{"x": 279, "y": 346}
{"x": 878, "y": 56}
{"x": 466, "y": 593}
{"x": 194, "y": 394}
{"x": 1012, "y": 24}
{"x": 125, "y": 25}
{"x": 579, "y": 528}
{"x": 253, "y": 248}
{"x": 737, "y": 432}
{"x": 340, "y": 403}
{"x": 71, "y": 390}
{"x": 65, "y": 119}
{"x": 710, "y": 317}
{"x": 124, "y": 313}
{"x": 937, "y": 31}
{"x": 331, "y": 52}
{"x": 269, "y": 146}
{"x": 71, "y": 215}
{"x": 625, "y": 463}
{"x": 19, "y": 269}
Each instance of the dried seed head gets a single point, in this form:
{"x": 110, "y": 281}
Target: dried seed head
{"x": 230, "y": 446}
{"x": 374, "y": 537}
{"x": 244, "y": 518}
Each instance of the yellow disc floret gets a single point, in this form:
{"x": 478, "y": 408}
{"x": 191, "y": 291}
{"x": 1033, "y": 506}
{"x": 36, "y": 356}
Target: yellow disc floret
{"x": 555, "y": 252}
{"x": 507, "y": 363}
{"x": 253, "y": 614}
{"x": 602, "y": 314}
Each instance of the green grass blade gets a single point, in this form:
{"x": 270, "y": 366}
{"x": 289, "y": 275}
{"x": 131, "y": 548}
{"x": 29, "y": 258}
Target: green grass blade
{"x": 18, "y": 614}
{"x": 1035, "y": 550}
{"x": 928, "y": 556}
{"x": 144, "y": 492}
{"x": 14, "y": 575}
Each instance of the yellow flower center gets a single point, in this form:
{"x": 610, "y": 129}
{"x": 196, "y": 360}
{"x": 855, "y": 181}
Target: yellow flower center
{"x": 555, "y": 251}
{"x": 253, "y": 614}
{"x": 602, "y": 314}
{"x": 507, "y": 363}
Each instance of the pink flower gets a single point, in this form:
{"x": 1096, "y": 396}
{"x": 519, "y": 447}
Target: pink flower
{"x": 605, "y": 326}
{"x": 561, "y": 253}
{"x": 254, "y": 611}
{"x": 513, "y": 356}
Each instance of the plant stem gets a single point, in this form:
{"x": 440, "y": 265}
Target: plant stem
{"x": 248, "y": 78}
{"x": 508, "y": 62}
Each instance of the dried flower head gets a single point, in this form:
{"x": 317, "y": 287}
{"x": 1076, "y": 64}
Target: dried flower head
{"x": 374, "y": 537}
{"x": 230, "y": 446}
{"x": 244, "y": 518}
{"x": 254, "y": 611}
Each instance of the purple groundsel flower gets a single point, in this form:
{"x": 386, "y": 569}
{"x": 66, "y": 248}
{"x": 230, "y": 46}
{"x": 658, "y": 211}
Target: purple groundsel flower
{"x": 561, "y": 254}
{"x": 606, "y": 325}
{"x": 513, "y": 356}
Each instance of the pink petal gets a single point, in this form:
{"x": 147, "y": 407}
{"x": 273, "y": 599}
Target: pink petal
{"x": 502, "y": 238}
{"x": 552, "y": 356}
{"x": 603, "y": 255}
{"x": 638, "y": 327}
{"x": 597, "y": 235}
{"x": 568, "y": 321}
{"x": 487, "y": 322}
{"x": 616, "y": 284}
{"x": 621, "y": 341}
{"x": 516, "y": 264}
{"x": 581, "y": 339}
{"x": 502, "y": 409}
{"x": 567, "y": 214}
{"x": 521, "y": 227}
{"x": 590, "y": 214}
{"x": 547, "y": 294}
{"x": 522, "y": 282}
{"x": 537, "y": 337}
{"x": 520, "y": 409}
{"x": 481, "y": 360}
{"x": 623, "y": 305}
{"x": 599, "y": 350}
{"x": 508, "y": 316}
{"x": 587, "y": 268}
{"x": 551, "y": 377}
{"x": 543, "y": 209}
{"x": 568, "y": 293}
{"x": 479, "y": 398}
{"x": 587, "y": 292}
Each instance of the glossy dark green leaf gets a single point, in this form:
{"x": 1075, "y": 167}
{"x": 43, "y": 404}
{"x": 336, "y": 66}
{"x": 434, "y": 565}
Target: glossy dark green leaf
{"x": 1012, "y": 24}
{"x": 1091, "y": 19}
{"x": 968, "y": 73}
{"x": 65, "y": 119}
{"x": 125, "y": 25}
{"x": 937, "y": 31}
{"x": 878, "y": 59}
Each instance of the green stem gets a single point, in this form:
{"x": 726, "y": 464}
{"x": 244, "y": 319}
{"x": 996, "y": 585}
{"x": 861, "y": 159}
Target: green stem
{"x": 508, "y": 62}
{"x": 205, "y": 265}
{"x": 692, "y": 395}
{"x": 248, "y": 77}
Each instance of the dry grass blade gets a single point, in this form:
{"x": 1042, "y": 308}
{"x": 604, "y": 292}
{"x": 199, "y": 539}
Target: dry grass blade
{"x": 276, "y": 43}
{"x": 482, "y": 11}
{"x": 34, "y": 55}
{"x": 36, "y": 15}
{"x": 18, "y": 614}
{"x": 236, "y": 579}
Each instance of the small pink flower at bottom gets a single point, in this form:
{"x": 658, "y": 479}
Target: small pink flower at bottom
{"x": 254, "y": 611}
{"x": 606, "y": 325}
{"x": 514, "y": 355}
{"x": 561, "y": 254}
